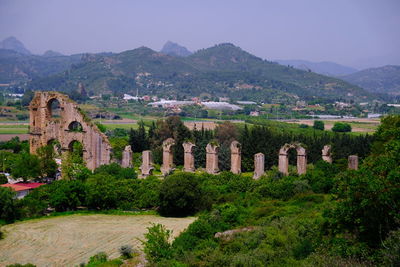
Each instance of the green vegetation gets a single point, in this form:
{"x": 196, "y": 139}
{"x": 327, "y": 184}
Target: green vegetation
{"x": 330, "y": 216}
{"x": 319, "y": 125}
{"x": 341, "y": 127}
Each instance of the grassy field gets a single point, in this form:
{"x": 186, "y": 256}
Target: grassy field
{"x": 357, "y": 125}
{"x": 71, "y": 240}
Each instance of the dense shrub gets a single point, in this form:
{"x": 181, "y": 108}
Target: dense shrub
{"x": 319, "y": 125}
{"x": 341, "y": 127}
{"x": 101, "y": 192}
{"x": 3, "y": 179}
{"x": 181, "y": 195}
{"x": 67, "y": 195}
{"x": 157, "y": 246}
{"x": 126, "y": 251}
{"x": 115, "y": 170}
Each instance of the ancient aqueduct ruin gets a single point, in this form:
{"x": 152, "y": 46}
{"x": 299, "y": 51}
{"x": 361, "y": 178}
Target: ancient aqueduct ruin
{"x": 73, "y": 126}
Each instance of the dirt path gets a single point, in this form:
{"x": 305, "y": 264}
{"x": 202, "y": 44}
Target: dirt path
{"x": 71, "y": 240}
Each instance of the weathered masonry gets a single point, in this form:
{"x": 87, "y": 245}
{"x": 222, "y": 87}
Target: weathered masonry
{"x": 69, "y": 125}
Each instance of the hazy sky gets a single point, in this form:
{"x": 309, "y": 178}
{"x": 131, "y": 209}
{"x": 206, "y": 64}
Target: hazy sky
{"x": 359, "y": 33}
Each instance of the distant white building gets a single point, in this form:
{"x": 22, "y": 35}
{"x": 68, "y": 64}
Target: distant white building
{"x": 220, "y": 106}
{"x": 246, "y": 103}
{"x": 130, "y": 97}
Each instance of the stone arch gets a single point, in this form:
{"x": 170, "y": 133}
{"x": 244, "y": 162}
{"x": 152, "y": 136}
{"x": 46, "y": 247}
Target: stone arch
{"x": 43, "y": 128}
{"x": 54, "y": 108}
{"x": 75, "y": 126}
{"x": 71, "y": 145}
{"x": 301, "y": 158}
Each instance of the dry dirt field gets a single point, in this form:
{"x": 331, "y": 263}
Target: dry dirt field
{"x": 71, "y": 240}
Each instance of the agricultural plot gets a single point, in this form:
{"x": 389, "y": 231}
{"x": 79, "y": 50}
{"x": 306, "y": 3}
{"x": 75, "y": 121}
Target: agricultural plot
{"x": 71, "y": 240}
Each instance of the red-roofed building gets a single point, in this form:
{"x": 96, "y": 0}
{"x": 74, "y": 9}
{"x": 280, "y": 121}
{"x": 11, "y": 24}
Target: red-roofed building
{"x": 22, "y": 189}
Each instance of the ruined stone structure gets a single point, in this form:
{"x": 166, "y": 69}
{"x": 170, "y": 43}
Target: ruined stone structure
{"x": 168, "y": 158}
{"x": 353, "y": 162}
{"x": 188, "y": 159}
{"x": 147, "y": 164}
{"x": 212, "y": 158}
{"x": 127, "y": 157}
{"x": 236, "y": 159}
{"x": 326, "y": 154}
{"x": 259, "y": 163}
{"x": 70, "y": 126}
{"x": 284, "y": 160}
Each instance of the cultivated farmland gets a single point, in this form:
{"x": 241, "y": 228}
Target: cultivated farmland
{"x": 71, "y": 240}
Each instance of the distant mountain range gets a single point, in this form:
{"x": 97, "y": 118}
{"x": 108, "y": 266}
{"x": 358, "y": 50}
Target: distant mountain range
{"x": 16, "y": 67}
{"x": 221, "y": 70}
{"x": 173, "y": 49}
{"x": 12, "y": 43}
{"x": 384, "y": 79}
{"x": 324, "y": 68}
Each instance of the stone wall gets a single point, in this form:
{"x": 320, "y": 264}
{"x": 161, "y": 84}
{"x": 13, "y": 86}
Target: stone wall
{"x": 45, "y": 128}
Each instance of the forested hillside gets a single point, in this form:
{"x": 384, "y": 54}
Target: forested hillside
{"x": 222, "y": 70}
{"x": 385, "y": 79}
{"x": 16, "y": 67}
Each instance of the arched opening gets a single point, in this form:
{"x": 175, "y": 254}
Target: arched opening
{"x": 54, "y": 108}
{"x": 75, "y": 126}
{"x": 56, "y": 147}
{"x": 76, "y": 148}
{"x": 284, "y": 158}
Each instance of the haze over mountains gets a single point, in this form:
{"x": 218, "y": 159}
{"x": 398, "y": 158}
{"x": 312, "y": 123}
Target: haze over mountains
{"x": 324, "y": 68}
{"x": 221, "y": 70}
{"x": 174, "y": 49}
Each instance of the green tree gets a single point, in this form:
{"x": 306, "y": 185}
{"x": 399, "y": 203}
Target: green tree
{"x": 48, "y": 165}
{"x": 67, "y": 195}
{"x": 138, "y": 139}
{"x": 319, "y": 125}
{"x": 157, "y": 246}
{"x": 341, "y": 127}
{"x": 26, "y": 166}
{"x": 27, "y": 97}
{"x": 73, "y": 165}
{"x": 368, "y": 198}
{"x": 101, "y": 192}
{"x": 3, "y": 179}
{"x": 181, "y": 195}
{"x": 8, "y": 210}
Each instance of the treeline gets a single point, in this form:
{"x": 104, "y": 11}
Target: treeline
{"x": 254, "y": 139}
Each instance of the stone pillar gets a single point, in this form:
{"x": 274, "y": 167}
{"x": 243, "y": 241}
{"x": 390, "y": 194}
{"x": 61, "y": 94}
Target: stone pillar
{"x": 283, "y": 161}
{"x": 168, "y": 158}
{"x": 259, "y": 163}
{"x": 301, "y": 160}
{"x": 188, "y": 165}
{"x": 147, "y": 164}
{"x": 212, "y": 159}
{"x": 326, "y": 154}
{"x": 353, "y": 162}
{"x": 236, "y": 158}
{"x": 127, "y": 157}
